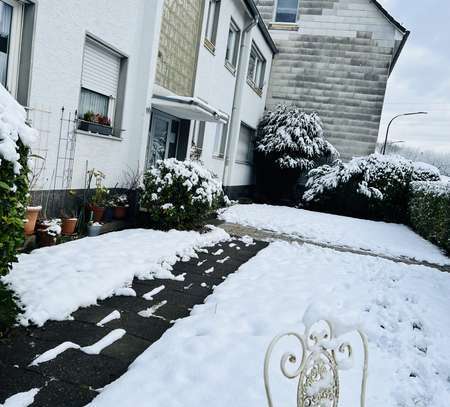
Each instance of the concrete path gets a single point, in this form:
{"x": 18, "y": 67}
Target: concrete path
{"x": 270, "y": 236}
{"x": 73, "y": 378}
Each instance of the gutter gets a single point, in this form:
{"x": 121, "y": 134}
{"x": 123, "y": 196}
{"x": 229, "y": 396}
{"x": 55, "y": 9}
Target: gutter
{"x": 235, "y": 122}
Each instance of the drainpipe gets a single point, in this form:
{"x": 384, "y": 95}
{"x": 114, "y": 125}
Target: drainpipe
{"x": 235, "y": 122}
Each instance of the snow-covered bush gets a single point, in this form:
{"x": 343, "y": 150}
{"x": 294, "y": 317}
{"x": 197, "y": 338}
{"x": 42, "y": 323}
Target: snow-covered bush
{"x": 180, "y": 194}
{"x": 429, "y": 211}
{"x": 293, "y": 139}
{"x": 15, "y": 137}
{"x": 374, "y": 187}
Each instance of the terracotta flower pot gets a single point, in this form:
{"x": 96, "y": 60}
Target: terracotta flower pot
{"x": 68, "y": 226}
{"x": 32, "y": 215}
{"x": 98, "y": 213}
{"x": 120, "y": 212}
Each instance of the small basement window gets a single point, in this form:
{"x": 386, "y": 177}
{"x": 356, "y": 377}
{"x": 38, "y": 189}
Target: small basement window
{"x": 101, "y": 89}
{"x": 286, "y": 11}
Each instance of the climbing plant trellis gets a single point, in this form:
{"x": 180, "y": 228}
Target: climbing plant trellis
{"x": 317, "y": 368}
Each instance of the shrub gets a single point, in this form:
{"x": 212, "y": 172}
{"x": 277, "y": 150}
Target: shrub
{"x": 180, "y": 194}
{"x": 373, "y": 187}
{"x": 293, "y": 139}
{"x": 429, "y": 211}
{"x": 15, "y": 136}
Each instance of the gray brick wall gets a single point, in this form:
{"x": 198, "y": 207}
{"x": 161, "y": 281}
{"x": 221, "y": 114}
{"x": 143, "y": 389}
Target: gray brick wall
{"x": 337, "y": 64}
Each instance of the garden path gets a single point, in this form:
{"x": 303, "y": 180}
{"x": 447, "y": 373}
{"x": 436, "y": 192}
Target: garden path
{"x": 74, "y": 377}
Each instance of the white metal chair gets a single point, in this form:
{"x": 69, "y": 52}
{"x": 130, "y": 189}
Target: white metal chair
{"x": 318, "y": 368}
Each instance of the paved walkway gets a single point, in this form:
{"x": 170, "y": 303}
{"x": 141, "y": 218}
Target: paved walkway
{"x": 269, "y": 236}
{"x": 73, "y": 378}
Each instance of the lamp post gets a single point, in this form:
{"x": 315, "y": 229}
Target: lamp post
{"x": 389, "y": 126}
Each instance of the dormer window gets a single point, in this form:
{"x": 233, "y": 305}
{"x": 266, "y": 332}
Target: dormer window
{"x": 286, "y": 11}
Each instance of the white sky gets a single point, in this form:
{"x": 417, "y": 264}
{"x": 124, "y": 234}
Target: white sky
{"x": 421, "y": 78}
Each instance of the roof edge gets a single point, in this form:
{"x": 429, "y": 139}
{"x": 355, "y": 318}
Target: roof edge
{"x": 399, "y": 51}
{"x": 261, "y": 25}
{"x": 389, "y": 16}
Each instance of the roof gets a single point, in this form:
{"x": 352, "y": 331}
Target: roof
{"x": 389, "y": 16}
{"x": 399, "y": 27}
{"x": 262, "y": 26}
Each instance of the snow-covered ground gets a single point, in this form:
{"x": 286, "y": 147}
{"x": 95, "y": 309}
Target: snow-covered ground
{"x": 53, "y": 282}
{"x": 215, "y": 356}
{"x": 388, "y": 239}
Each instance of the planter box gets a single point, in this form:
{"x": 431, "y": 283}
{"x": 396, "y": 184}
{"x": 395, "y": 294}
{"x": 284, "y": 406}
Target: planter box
{"x": 95, "y": 128}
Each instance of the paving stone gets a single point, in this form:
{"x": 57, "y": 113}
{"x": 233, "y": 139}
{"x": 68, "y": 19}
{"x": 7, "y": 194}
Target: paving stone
{"x": 126, "y": 349}
{"x": 16, "y": 380}
{"x": 77, "y": 367}
{"x": 144, "y": 286}
{"x": 81, "y": 333}
{"x": 57, "y": 393}
{"x": 92, "y": 314}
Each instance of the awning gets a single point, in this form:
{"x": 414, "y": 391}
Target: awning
{"x": 189, "y": 108}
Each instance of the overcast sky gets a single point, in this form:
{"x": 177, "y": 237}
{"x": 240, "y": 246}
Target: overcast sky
{"x": 421, "y": 78}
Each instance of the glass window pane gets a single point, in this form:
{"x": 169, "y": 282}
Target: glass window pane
{"x": 245, "y": 145}
{"x": 286, "y": 11}
{"x": 93, "y": 102}
{"x": 251, "y": 66}
{"x": 5, "y": 31}
{"x": 220, "y": 140}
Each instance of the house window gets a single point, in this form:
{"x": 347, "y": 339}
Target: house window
{"x": 286, "y": 11}
{"x": 220, "y": 140}
{"x": 10, "y": 39}
{"x": 212, "y": 24}
{"x": 100, "y": 83}
{"x": 245, "y": 148}
{"x": 234, "y": 35}
{"x": 256, "y": 69}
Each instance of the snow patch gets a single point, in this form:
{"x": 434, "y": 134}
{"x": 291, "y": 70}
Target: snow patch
{"x": 24, "y": 399}
{"x": 111, "y": 317}
{"x": 149, "y": 296}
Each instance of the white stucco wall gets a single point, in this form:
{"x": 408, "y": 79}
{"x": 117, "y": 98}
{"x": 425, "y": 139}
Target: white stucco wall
{"x": 59, "y": 37}
{"x": 215, "y": 84}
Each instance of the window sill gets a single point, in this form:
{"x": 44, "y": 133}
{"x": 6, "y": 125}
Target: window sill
{"x": 248, "y": 163}
{"x": 218, "y": 157}
{"x": 209, "y": 46}
{"x": 88, "y": 133}
{"x": 284, "y": 26}
{"x": 257, "y": 90}
{"x": 231, "y": 68}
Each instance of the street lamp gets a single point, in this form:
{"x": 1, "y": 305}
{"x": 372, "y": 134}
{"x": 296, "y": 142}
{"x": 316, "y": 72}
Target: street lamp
{"x": 389, "y": 125}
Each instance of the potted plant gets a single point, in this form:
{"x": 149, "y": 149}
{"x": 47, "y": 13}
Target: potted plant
{"x": 32, "y": 212}
{"x": 31, "y": 218}
{"x": 120, "y": 206}
{"x": 100, "y": 197}
{"x": 68, "y": 223}
{"x": 96, "y": 123}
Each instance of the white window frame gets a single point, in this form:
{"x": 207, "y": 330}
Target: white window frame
{"x": 257, "y": 78}
{"x": 285, "y": 22}
{"x": 212, "y": 23}
{"x": 250, "y": 147}
{"x": 220, "y": 140}
{"x": 15, "y": 42}
{"x": 112, "y": 101}
{"x": 231, "y": 59}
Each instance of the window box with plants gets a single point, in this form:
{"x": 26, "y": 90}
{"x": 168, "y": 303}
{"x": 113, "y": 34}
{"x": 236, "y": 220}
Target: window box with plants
{"x": 96, "y": 123}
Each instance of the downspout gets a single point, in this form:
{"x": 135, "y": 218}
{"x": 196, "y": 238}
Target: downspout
{"x": 235, "y": 122}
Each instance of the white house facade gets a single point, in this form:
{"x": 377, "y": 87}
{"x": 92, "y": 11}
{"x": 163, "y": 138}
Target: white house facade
{"x": 83, "y": 56}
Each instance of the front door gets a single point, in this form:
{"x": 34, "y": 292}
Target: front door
{"x": 163, "y": 138}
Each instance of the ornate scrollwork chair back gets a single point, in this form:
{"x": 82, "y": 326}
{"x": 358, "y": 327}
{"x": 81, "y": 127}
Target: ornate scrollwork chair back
{"x": 317, "y": 366}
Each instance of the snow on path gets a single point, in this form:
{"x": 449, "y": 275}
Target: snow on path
{"x": 21, "y": 399}
{"x": 149, "y": 296}
{"x": 53, "y": 282}
{"x": 215, "y": 356}
{"x": 387, "y": 239}
{"x": 110, "y": 317}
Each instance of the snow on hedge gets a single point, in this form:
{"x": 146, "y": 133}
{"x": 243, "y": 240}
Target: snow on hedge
{"x": 388, "y": 239}
{"x": 53, "y": 282}
{"x": 13, "y": 128}
{"x": 438, "y": 188}
{"x": 293, "y": 139}
{"x": 370, "y": 172}
{"x": 215, "y": 357}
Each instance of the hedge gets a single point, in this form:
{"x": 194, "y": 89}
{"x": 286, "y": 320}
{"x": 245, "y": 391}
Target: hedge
{"x": 429, "y": 211}
{"x": 13, "y": 198}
